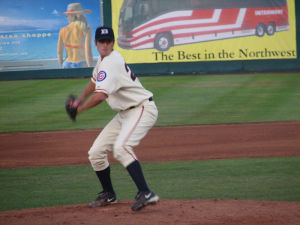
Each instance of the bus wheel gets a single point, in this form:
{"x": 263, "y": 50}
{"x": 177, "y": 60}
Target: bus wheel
{"x": 163, "y": 41}
{"x": 260, "y": 30}
{"x": 270, "y": 29}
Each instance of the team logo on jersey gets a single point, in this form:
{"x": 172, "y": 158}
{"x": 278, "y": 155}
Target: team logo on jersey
{"x": 101, "y": 76}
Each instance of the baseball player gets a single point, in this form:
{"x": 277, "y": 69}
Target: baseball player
{"x": 114, "y": 82}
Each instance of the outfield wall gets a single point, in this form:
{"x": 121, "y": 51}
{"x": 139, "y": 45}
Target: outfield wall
{"x": 144, "y": 69}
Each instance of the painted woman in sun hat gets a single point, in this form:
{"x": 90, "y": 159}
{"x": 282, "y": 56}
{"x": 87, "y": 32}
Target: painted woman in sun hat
{"x": 75, "y": 38}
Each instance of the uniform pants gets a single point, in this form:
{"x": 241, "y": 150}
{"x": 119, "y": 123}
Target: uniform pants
{"x": 121, "y": 134}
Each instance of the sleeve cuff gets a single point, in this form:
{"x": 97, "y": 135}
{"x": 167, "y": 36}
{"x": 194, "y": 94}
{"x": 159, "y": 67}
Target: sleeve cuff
{"x": 101, "y": 90}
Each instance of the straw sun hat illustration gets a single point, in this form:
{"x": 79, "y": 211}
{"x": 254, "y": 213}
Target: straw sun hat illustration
{"x": 76, "y": 8}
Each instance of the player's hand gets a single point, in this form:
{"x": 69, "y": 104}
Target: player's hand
{"x": 72, "y": 104}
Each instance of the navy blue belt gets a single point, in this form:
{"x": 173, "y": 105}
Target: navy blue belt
{"x": 150, "y": 100}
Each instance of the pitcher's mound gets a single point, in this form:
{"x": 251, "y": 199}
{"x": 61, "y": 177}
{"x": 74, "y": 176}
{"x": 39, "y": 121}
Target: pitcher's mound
{"x": 183, "y": 212}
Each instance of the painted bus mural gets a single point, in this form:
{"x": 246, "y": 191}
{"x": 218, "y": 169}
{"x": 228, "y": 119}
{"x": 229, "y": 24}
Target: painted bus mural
{"x": 161, "y": 24}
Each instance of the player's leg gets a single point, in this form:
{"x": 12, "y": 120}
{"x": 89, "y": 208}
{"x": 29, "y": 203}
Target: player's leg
{"x": 98, "y": 158}
{"x": 135, "y": 125}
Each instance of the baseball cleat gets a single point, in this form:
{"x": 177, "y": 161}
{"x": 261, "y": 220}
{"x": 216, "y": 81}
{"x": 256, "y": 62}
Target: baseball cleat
{"x": 143, "y": 199}
{"x": 104, "y": 198}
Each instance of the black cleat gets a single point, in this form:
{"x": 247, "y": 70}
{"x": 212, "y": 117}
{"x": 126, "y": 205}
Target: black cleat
{"x": 143, "y": 199}
{"x": 103, "y": 199}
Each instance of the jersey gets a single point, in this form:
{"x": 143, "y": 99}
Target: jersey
{"x": 113, "y": 77}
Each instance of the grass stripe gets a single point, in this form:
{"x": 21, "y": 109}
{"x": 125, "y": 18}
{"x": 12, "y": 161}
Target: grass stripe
{"x": 38, "y": 105}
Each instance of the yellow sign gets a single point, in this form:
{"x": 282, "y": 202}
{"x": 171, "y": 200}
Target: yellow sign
{"x": 157, "y": 31}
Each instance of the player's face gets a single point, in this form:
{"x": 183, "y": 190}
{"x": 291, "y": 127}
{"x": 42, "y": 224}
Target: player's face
{"x": 104, "y": 47}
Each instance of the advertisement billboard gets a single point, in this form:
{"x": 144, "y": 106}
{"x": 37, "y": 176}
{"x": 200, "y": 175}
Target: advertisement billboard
{"x": 154, "y": 31}
{"x": 40, "y": 34}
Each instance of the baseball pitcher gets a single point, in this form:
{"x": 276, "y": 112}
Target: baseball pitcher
{"x": 114, "y": 82}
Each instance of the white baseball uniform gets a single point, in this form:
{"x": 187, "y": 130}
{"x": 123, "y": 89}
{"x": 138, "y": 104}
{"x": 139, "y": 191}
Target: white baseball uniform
{"x": 137, "y": 112}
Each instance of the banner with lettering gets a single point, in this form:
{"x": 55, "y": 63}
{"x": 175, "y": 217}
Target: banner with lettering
{"x": 30, "y": 33}
{"x": 155, "y": 31}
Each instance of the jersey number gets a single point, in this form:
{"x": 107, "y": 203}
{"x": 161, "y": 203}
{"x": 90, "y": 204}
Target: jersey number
{"x": 132, "y": 75}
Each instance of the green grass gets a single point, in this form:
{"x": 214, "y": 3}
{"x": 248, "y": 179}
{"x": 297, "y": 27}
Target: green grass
{"x": 38, "y": 105}
{"x": 273, "y": 179}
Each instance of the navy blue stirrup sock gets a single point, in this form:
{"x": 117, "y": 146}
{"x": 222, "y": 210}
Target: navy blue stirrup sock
{"x": 105, "y": 180}
{"x": 136, "y": 173}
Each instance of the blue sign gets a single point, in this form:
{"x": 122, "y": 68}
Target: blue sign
{"x": 29, "y": 31}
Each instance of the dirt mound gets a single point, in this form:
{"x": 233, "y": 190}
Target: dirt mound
{"x": 184, "y": 212}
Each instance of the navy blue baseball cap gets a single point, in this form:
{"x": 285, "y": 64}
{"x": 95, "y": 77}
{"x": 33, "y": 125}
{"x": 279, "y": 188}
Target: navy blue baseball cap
{"x": 103, "y": 33}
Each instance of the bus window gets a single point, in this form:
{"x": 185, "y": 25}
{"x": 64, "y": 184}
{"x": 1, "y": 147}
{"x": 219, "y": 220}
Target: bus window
{"x": 230, "y": 4}
{"x": 142, "y": 12}
{"x": 126, "y": 15}
{"x": 163, "y": 6}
